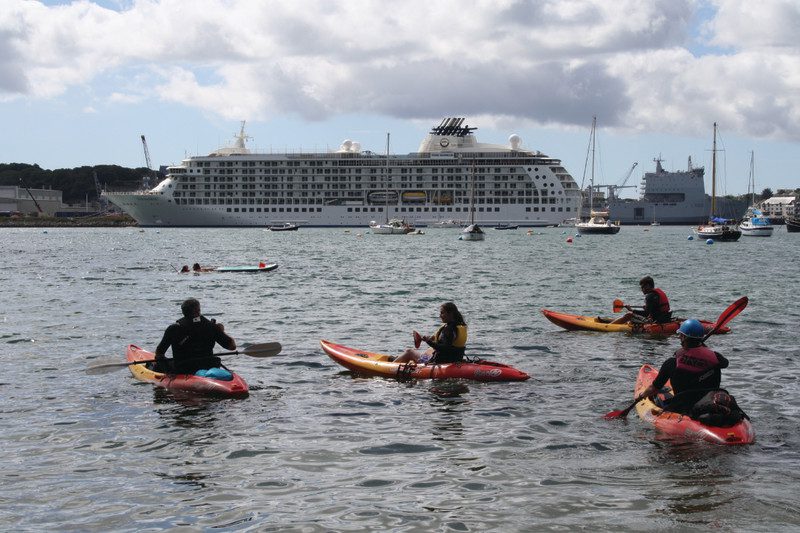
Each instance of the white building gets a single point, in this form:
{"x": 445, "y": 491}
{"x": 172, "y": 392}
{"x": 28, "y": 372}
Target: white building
{"x": 16, "y": 199}
{"x": 779, "y": 206}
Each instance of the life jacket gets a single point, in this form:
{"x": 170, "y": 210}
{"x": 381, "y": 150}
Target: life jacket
{"x": 663, "y": 301}
{"x": 461, "y": 335}
{"x": 696, "y": 360}
{"x": 453, "y": 352}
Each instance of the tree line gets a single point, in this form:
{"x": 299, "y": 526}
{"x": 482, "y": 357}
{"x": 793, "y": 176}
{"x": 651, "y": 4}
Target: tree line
{"x": 76, "y": 183}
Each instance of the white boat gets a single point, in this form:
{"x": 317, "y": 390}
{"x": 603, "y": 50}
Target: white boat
{"x": 348, "y": 187}
{"x": 473, "y": 232}
{"x": 598, "y": 223}
{"x": 449, "y": 223}
{"x": 717, "y": 229}
{"x": 755, "y": 224}
{"x": 394, "y": 226}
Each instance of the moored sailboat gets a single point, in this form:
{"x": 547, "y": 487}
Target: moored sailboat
{"x": 598, "y": 223}
{"x": 394, "y": 226}
{"x": 755, "y": 224}
{"x": 473, "y": 232}
{"x": 717, "y": 229}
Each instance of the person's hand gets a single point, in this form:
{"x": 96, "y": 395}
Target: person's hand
{"x": 626, "y": 306}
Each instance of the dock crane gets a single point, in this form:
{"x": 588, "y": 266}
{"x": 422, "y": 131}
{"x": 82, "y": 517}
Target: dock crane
{"x": 146, "y": 179}
{"x": 612, "y": 189}
{"x": 31, "y": 195}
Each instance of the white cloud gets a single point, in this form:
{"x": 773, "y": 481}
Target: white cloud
{"x": 549, "y": 61}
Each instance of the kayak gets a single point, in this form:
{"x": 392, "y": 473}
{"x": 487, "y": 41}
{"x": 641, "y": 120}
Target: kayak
{"x": 380, "y": 365}
{"x": 249, "y": 269}
{"x": 597, "y": 323}
{"x": 676, "y": 424}
{"x": 235, "y": 388}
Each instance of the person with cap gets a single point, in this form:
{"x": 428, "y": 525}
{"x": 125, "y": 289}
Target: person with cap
{"x": 192, "y": 339}
{"x": 692, "y": 371}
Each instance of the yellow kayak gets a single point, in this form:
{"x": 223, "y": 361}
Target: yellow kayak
{"x": 597, "y": 323}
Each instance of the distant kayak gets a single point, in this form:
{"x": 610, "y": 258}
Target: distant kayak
{"x": 676, "y": 424}
{"x": 375, "y": 364}
{"x": 235, "y": 388}
{"x": 248, "y": 269}
{"x": 596, "y": 323}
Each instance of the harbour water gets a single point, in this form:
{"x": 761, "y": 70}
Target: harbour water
{"x": 316, "y": 449}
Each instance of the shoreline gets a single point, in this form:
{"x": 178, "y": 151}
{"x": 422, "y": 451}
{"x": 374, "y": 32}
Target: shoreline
{"x": 108, "y": 221}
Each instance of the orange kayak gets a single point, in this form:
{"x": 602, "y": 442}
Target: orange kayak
{"x": 676, "y": 424}
{"x": 376, "y": 364}
{"x": 596, "y": 323}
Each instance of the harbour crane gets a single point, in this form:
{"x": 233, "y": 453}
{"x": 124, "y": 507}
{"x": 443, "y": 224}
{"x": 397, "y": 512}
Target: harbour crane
{"x": 146, "y": 179}
{"x": 612, "y": 189}
{"x": 31, "y": 195}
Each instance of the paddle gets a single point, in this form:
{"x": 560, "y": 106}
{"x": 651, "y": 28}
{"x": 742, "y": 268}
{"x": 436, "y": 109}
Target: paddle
{"x": 618, "y": 305}
{"x": 727, "y": 315}
{"x": 267, "y": 349}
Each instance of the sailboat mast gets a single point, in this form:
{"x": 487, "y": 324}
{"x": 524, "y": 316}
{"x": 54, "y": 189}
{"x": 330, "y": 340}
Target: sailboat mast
{"x": 472, "y": 196}
{"x": 591, "y": 179}
{"x": 714, "y": 173}
{"x": 387, "y": 178}
{"x": 752, "y": 180}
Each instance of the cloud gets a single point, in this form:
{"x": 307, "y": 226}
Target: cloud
{"x": 548, "y": 62}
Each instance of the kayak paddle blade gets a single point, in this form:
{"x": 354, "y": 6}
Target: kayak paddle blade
{"x": 618, "y": 305}
{"x": 728, "y": 314}
{"x": 266, "y": 349}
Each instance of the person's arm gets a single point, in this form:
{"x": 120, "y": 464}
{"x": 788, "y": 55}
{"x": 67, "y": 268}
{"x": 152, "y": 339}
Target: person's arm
{"x": 161, "y": 349}
{"x": 722, "y": 362}
{"x": 651, "y": 302}
{"x": 222, "y": 338}
{"x": 661, "y": 379}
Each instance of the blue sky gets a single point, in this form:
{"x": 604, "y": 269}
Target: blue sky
{"x": 80, "y": 81}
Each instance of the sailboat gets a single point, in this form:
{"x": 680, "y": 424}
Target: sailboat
{"x": 394, "y": 226}
{"x": 655, "y": 222}
{"x": 755, "y": 224}
{"x": 473, "y": 232}
{"x": 598, "y": 223}
{"x": 717, "y": 228}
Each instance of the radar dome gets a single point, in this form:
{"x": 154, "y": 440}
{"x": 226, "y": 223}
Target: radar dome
{"x": 357, "y": 147}
{"x": 346, "y": 144}
{"x": 515, "y": 141}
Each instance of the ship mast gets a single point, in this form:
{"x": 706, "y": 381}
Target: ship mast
{"x": 714, "y": 173}
{"x": 472, "y": 196}
{"x": 386, "y": 207}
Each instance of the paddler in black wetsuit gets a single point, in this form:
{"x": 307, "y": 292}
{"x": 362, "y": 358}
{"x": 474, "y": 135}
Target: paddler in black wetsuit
{"x": 192, "y": 339}
{"x": 446, "y": 345}
{"x": 656, "y": 305}
{"x": 692, "y": 371}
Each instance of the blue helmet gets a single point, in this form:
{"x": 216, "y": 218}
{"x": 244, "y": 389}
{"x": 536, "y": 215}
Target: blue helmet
{"x": 692, "y": 328}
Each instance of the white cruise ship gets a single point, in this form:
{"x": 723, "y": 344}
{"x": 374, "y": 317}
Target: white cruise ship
{"x": 351, "y": 187}
{"x": 677, "y": 197}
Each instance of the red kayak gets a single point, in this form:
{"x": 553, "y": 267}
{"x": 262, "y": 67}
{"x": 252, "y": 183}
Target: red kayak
{"x": 235, "y": 388}
{"x": 676, "y": 424}
{"x": 376, "y": 364}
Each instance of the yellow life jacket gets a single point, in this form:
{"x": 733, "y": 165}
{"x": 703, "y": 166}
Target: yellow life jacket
{"x": 461, "y": 335}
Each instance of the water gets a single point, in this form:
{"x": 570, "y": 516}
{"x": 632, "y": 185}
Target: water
{"x": 315, "y": 449}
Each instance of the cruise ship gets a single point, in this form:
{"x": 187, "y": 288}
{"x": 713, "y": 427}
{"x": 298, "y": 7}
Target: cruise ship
{"x": 677, "y": 197}
{"x": 352, "y": 187}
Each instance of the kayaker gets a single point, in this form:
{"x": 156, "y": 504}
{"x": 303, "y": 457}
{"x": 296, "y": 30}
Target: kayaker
{"x": 692, "y": 371}
{"x": 196, "y": 267}
{"x": 446, "y": 345}
{"x": 184, "y": 269}
{"x": 192, "y": 339}
{"x": 656, "y": 305}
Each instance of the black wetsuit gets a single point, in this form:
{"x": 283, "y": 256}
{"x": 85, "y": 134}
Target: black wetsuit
{"x": 688, "y": 387}
{"x": 192, "y": 342}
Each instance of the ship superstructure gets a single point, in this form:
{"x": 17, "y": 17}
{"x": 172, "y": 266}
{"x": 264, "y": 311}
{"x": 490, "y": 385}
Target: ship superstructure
{"x": 351, "y": 187}
{"x": 677, "y": 197}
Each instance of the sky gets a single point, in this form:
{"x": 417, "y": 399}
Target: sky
{"x": 81, "y": 81}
